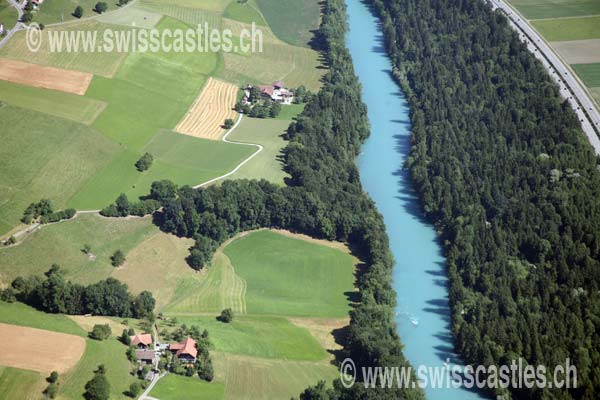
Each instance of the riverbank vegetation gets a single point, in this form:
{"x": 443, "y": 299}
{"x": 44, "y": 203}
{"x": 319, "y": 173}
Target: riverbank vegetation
{"x": 506, "y": 174}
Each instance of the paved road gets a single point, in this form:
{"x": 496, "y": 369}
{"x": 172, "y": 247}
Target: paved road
{"x": 570, "y": 87}
{"x": 18, "y": 26}
{"x": 144, "y": 396}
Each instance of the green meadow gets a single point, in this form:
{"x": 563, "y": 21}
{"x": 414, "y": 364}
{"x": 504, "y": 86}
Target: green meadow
{"x": 538, "y": 9}
{"x": 62, "y": 243}
{"x": 61, "y": 10}
{"x": 20, "y": 384}
{"x": 43, "y": 156}
{"x": 555, "y": 30}
{"x": 589, "y": 73}
{"x": 174, "y": 387}
{"x": 8, "y": 14}
{"x": 244, "y": 12}
{"x": 23, "y": 315}
{"x": 268, "y": 133}
{"x": 292, "y": 277}
{"x": 260, "y": 336}
{"x": 291, "y": 20}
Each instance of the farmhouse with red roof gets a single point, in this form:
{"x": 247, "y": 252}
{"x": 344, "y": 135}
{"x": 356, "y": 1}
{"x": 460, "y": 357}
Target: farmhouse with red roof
{"x": 141, "y": 341}
{"x": 185, "y": 350}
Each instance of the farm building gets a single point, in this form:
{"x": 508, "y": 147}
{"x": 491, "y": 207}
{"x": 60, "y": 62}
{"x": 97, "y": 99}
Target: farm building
{"x": 185, "y": 350}
{"x": 147, "y": 357}
{"x": 141, "y": 341}
{"x": 276, "y": 92}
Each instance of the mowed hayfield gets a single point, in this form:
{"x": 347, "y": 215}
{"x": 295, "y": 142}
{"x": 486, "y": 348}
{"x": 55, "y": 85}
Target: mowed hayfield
{"x": 28, "y": 74}
{"x": 538, "y": 9}
{"x": 57, "y": 11}
{"x": 38, "y": 349}
{"x": 213, "y": 106}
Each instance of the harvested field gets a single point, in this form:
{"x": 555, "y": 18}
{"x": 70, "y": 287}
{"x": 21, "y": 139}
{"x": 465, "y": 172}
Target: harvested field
{"x": 206, "y": 116}
{"x": 45, "y": 77}
{"x": 39, "y": 350}
{"x": 579, "y": 51}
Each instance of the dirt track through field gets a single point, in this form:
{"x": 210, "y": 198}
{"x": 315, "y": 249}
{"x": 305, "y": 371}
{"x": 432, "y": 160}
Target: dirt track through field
{"x": 208, "y": 113}
{"x": 38, "y": 349}
{"x": 63, "y": 80}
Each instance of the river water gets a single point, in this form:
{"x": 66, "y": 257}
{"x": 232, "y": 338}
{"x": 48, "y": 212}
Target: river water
{"x": 420, "y": 279}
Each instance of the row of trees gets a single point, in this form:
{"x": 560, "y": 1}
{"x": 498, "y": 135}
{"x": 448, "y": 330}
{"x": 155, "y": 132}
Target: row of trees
{"x": 506, "y": 174}
{"x": 55, "y": 294}
{"x": 323, "y": 198}
{"x": 43, "y": 211}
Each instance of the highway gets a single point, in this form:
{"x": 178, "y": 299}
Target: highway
{"x": 570, "y": 87}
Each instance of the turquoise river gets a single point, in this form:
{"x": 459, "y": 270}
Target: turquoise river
{"x": 422, "y": 314}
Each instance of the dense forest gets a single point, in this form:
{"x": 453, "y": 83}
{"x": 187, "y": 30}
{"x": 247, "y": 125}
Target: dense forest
{"x": 323, "y": 198}
{"x": 506, "y": 174}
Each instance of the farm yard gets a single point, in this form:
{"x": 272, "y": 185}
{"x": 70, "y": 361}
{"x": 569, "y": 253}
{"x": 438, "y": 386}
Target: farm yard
{"x": 573, "y": 29}
{"x": 213, "y": 106}
{"x": 75, "y": 137}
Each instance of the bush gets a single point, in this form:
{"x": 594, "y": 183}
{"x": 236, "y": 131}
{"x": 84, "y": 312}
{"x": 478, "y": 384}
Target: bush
{"x": 134, "y": 388}
{"x": 117, "y": 259}
{"x": 145, "y": 162}
{"x": 100, "y": 332}
{"x": 228, "y": 123}
{"x": 10, "y": 240}
{"x": 58, "y": 216}
{"x": 226, "y": 315}
{"x": 125, "y": 338}
{"x": 78, "y": 13}
{"x": 98, "y": 388}
{"x": 27, "y": 17}
{"x": 53, "y": 377}
{"x": 101, "y": 7}
{"x": 52, "y": 390}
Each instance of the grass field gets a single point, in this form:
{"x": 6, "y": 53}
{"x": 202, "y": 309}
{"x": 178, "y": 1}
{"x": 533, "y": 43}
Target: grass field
{"x": 538, "y": 9}
{"x": 292, "y": 277}
{"x": 267, "y": 133}
{"x": 245, "y": 12}
{"x": 23, "y": 315}
{"x": 596, "y": 94}
{"x": 180, "y": 158}
{"x": 191, "y": 14}
{"x": 250, "y": 378}
{"x": 8, "y": 14}
{"x": 589, "y": 73}
{"x": 43, "y": 156}
{"x": 61, "y": 10}
{"x": 175, "y": 387}
{"x": 260, "y": 336}
{"x": 98, "y": 63}
{"x": 21, "y": 384}
{"x": 130, "y": 16}
{"x": 62, "y": 243}
{"x": 278, "y": 60}
{"x": 109, "y": 352}
{"x": 64, "y": 105}
{"x": 555, "y": 30}
{"x": 292, "y": 20}
{"x": 158, "y": 264}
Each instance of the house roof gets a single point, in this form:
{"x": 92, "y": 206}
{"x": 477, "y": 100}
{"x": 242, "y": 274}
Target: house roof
{"x": 266, "y": 90}
{"x": 145, "y": 354}
{"x": 187, "y": 347}
{"x": 144, "y": 338}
